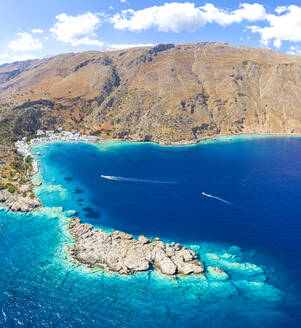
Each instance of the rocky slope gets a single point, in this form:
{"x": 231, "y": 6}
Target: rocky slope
{"x": 167, "y": 93}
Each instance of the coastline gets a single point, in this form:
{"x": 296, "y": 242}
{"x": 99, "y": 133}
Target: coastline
{"x": 85, "y": 237}
{"x": 226, "y": 137}
{"x": 25, "y": 148}
{"x": 248, "y": 273}
{"x": 25, "y": 200}
{"x": 192, "y": 295}
{"x": 90, "y": 259}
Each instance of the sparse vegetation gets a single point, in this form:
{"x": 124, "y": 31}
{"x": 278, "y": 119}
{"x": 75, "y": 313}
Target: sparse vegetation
{"x": 16, "y": 172}
{"x": 12, "y": 188}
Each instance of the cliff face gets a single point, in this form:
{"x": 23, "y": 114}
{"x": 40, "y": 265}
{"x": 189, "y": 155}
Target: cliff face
{"x": 167, "y": 93}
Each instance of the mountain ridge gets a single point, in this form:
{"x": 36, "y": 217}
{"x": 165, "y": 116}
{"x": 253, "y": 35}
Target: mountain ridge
{"x": 167, "y": 93}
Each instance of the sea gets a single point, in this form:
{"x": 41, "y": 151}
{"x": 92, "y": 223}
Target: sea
{"x": 236, "y": 201}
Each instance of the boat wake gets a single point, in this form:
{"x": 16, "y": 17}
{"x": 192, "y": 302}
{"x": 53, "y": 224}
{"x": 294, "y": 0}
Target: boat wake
{"x": 116, "y": 178}
{"x": 217, "y": 198}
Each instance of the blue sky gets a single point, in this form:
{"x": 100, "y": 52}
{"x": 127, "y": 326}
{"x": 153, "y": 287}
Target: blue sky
{"x": 39, "y": 28}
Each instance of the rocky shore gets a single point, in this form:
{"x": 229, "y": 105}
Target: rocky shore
{"x": 23, "y": 198}
{"x": 120, "y": 252}
{"x": 18, "y": 203}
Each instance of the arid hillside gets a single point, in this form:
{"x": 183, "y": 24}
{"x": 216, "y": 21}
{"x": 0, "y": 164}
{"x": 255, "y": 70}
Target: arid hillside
{"x": 168, "y": 93}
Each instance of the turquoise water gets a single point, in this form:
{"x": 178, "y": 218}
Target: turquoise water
{"x": 157, "y": 191}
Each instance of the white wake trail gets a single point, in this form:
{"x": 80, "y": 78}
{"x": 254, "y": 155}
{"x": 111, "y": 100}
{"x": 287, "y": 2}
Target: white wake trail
{"x": 217, "y": 198}
{"x": 116, "y": 178}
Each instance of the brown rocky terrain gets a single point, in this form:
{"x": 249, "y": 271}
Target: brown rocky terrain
{"x": 167, "y": 93}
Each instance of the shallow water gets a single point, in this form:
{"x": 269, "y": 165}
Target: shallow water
{"x": 259, "y": 177}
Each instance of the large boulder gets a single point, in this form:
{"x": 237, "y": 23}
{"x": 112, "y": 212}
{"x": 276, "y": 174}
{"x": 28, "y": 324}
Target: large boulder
{"x": 166, "y": 266}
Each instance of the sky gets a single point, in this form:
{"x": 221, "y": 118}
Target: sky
{"x": 41, "y": 28}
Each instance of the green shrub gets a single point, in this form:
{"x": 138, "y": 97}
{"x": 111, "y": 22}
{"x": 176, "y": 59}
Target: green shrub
{"x": 24, "y": 194}
{"x": 12, "y": 174}
{"x": 28, "y": 159}
{"x": 32, "y": 196}
{"x": 11, "y": 189}
{"x": 22, "y": 181}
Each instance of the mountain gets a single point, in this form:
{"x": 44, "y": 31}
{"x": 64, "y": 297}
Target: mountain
{"x": 167, "y": 93}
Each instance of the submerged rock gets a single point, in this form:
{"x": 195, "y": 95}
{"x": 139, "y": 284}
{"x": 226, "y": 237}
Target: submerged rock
{"x": 120, "y": 252}
{"x": 232, "y": 264}
{"x": 217, "y": 273}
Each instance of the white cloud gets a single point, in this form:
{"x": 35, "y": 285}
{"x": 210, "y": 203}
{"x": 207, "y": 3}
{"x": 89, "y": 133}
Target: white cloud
{"x": 277, "y": 43}
{"x": 286, "y": 26}
{"x": 173, "y": 17}
{"x": 2, "y": 56}
{"x": 249, "y": 12}
{"x": 122, "y": 1}
{"x": 279, "y": 10}
{"x": 127, "y": 46}
{"x": 23, "y": 57}
{"x": 176, "y": 17}
{"x": 6, "y": 58}
{"x": 264, "y": 43}
{"x": 25, "y": 42}
{"x": 77, "y": 30}
{"x": 282, "y": 25}
{"x": 295, "y": 50}
{"x": 37, "y": 31}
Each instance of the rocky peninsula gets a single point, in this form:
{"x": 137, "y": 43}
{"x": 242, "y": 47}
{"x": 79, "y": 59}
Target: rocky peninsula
{"x": 122, "y": 253}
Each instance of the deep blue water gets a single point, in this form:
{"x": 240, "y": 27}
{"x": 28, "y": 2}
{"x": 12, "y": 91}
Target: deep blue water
{"x": 157, "y": 191}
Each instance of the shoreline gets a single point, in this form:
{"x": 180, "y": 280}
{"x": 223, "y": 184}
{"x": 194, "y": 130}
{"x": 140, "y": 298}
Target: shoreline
{"x": 228, "y": 136}
{"x": 25, "y": 148}
{"x": 164, "y": 144}
{"x": 95, "y": 248}
{"x": 201, "y": 290}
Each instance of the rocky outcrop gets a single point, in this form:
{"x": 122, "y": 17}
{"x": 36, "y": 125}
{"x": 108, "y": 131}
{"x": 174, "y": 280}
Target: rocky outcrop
{"x": 18, "y": 203}
{"x": 120, "y": 252}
